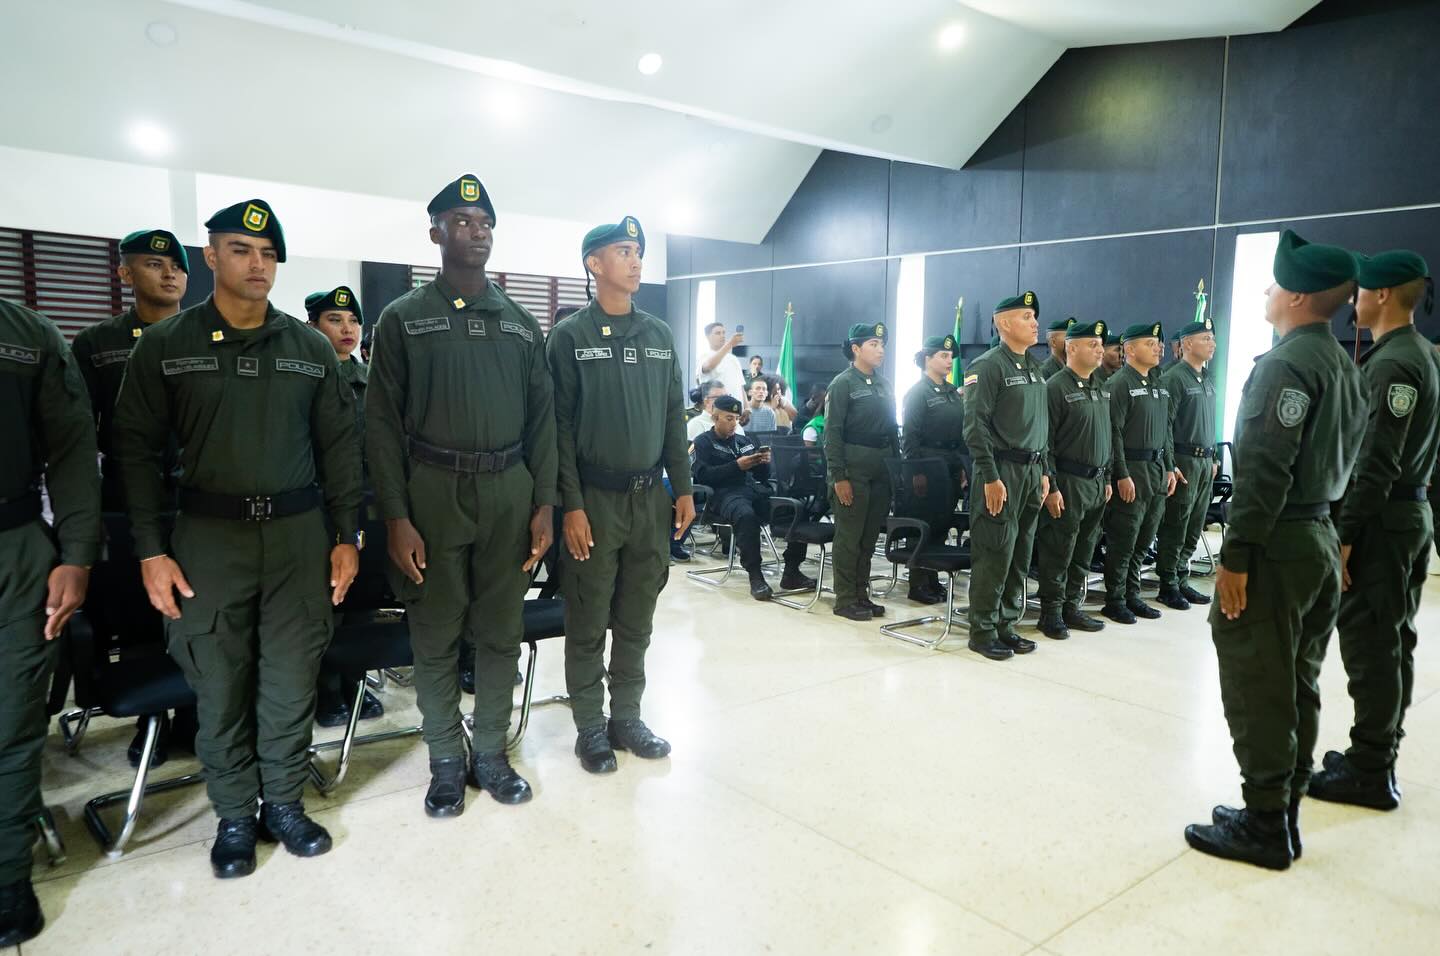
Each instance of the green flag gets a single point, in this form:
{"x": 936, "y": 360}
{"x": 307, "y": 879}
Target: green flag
{"x": 786, "y": 365}
{"x": 957, "y": 369}
{"x": 1200, "y": 299}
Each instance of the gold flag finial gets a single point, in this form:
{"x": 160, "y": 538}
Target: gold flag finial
{"x": 1201, "y": 286}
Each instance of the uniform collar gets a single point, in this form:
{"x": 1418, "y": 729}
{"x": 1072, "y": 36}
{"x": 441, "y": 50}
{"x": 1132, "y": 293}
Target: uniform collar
{"x": 1382, "y": 341}
{"x": 607, "y": 326}
{"x": 214, "y": 325}
{"x": 1086, "y": 382}
{"x": 488, "y": 300}
{"x": 867, "y": 379}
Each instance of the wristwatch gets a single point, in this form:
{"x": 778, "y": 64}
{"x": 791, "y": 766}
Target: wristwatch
{"x": 358, "y": 540}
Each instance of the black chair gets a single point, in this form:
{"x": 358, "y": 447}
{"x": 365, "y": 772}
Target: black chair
{"x": 1219, "y": 510}
{"x": 800, "y": 480}
{"x": 917, "y": 533}
{"x": 724, "y": 531}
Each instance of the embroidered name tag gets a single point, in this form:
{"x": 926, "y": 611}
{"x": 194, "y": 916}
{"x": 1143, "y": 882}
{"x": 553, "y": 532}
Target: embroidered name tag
{"x": 515, "y": 328}
{"x": 180, "y": 366}
{"x": 659, "y": 353}
{"x": 590, "y": 355}
{"x": 113, "y": 357}
{"x": 20, "y": 353}
{"x": 1138, "y": 392}
{"x": 932, "y": 402}
{"x": 304, "y": 368}
{"x": 1194, "y": 391}
{"x": 440, "y": 323}
{"x": 1075, "y": 397}
{"x": 862, "y": 392}
{"x": 1016, "y": 380}
{"x": 476, "y": 326}
{"x": 247, "y": 365}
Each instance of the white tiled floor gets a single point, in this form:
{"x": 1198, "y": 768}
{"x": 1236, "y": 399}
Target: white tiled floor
{"x": 831, "y": 791}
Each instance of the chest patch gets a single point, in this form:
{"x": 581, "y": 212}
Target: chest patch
{"x": 932, "y": 402}
{"x": 112, "y": 357}
{"x": 19, "y": 353}
{"x": 247, "y": 365}
{"x": 199, "y": 363}
{"x": 590, "y": 355}
{"x": 1073, "y": 397}
{"x": 304, "y": 368}
{"x": 631, "y": 356}
{"x": 515, "y": 328}
{"x": 862, "y": 392}
{"x": 1139, "y": 392}
{"x": 440, "y": 323}
{"x": 475, "y": 326}
{"x": 664, "y": 354}
{"x": 1017, "y": 380}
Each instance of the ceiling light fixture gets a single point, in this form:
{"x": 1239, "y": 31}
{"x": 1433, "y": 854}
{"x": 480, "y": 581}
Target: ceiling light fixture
{"x": 150, "y": 139}
{"x": 952, "y": 37}
{"x": 650, "y": 64}
{"x": 161, "y": 33}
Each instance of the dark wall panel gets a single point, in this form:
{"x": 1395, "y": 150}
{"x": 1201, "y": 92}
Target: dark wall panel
{"x": 933, "y": 208}
{"x": 679, "y": 302}
{"x": 677, "y": 255}
{"x": 202, "y": 280}
{"x": 1336, "y": 113}
{"x": 744, "y": 299}
{"x": 714, "y": 255}
{"x": 983, "y": 278}
{"x": 380, "y": 284}
{"x": 1123, "y": 139}
{"x": 651, "y": 297}
{"x": 828, "y": 299}
{"x": 840, "y": 211}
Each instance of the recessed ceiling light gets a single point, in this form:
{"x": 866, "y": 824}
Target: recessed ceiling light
{"x": 161, "y": 33}
{"x": 680, "y": 216}
{"x": 650, "y": 64}
{"x": 149, "y": 138}
{"x": 881, "y": 123}
{"x": 505, "y": 105}
{"x": 952, "y": 37}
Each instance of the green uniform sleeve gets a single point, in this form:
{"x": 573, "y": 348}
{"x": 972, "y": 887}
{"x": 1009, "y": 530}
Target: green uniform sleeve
{"x": 84, "y": 350}
{"x": 385, "y": 415}
{"x": 1265, "y": 454}
{"x": 913, "y": 421}
{"x": 1055, "y": 400}
{"x": 142, "y": 429}
{"x": 1172, "y": 408}
{"x": 837, "y": 406}
{"x": 1119, "y": 389}
{"x": 540, "y": 453}
{"x": 67, "y": 433}
{"x": 980, "y": 396}
{"x": 335, "y": 436}
{"x": 565, "y": 376}
{"x": 676, "y": 450}
{"x": 1379, "y": 464}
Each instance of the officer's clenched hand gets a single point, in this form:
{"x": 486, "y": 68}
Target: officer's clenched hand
{"x": 344, "y": 565}
{"x": 995, "y": 496}
{"x": 67, "y": 592}
{"x": 1044, "y": 488}
{"x": 1345, "y": 550}
{"x": 1055, "y": 504}
{"x": 845, "y": 492}
{"x": 577, "y": 533}
{"x": 684, "y": 514}
{"x": 406, "y": 547}
{"x": 542, "y": 532}
{"x": 1109, "y": 491}
{"x": 1230, "y": 585}
{"x": 1127, "y": 489}
{"x": 162, "y": 579}
{"x": 1170, "y": 483}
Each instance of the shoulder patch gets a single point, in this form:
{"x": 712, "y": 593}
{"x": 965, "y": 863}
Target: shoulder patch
{"x": 590, "y": 355}
{"x": 971, "y": 379}
{"x": 199, "y": 363}
{"x": 1291, "y": 406}
{"x": 515, "y": 328}
{"x": 440, "y": 323}
{"x": 19, "y": 353}
{"x": 296, "y": 365}
{"x": 1401, "y": 399}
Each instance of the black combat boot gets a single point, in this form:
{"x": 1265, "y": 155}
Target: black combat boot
{"x": 1052, "y": 625}
{"x": 1078, "y": 620}
{"x": 634, "y": 736}
{"x": 446, "y": 795}
{"x": 1261, "y": 838}
{"x": 20, "y": 915}
{"x": 233, "y": 853}
{"x": 1193, "y": 596}
{"x": 1140, "y": 609}
{"x": 1118, "y": 612}
{"x": 1343, "y": 782}
{"x": 759, "y": 587}
{"x": 288, "y": 823}
{"x": 1172, "y": 598}
{"x": 592, "y": 746}
{"x": 492, "y": 773}
{"x": 990, "y": 647}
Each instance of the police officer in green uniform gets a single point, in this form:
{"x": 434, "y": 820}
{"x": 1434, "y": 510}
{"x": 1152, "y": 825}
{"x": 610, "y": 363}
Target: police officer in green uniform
{"x": 619, "y": 412}
{"x": 46, "y": 433}
{"x": 1385, "y": 530}
{"x": 860, "y": 434}
{"x": 156, "y": 268}
{"x": 1055, "y": 338}
{"x": 255, "y": 399}
{"x": 1007, "y": 427}
{"x": 1297, "y": 432}
{"x": 934, "y": 418}
{"x": 1191, "y": 388}
{"x": 1078, "y": 458}
{"x": 461, "y": 437}
{"x": 1142, "y": 467}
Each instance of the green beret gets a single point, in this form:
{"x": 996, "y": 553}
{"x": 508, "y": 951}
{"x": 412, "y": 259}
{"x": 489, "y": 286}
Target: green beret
{"x": 1060, "y": 325}
{"x": 1025, "y": 300}
{"x": 1304, "y": 267}
{"x": 728, "y": 403}
{"x": 340, "y": 298}
{"x": 1385, "y": 270}
{"x": 864, "y": 331}
{"x": 1085, "y": 330}
{"x": 465, "y": 191}
{"x": 1142, "y": 330}
{"x": 253, "y": 217}
{"x": 156, "y": 242}
{"x": 626, "y": 230}
{"x": 1193, "y": 328}
{"x": 1111, "y": 339}
{"x": 936, "y": 343}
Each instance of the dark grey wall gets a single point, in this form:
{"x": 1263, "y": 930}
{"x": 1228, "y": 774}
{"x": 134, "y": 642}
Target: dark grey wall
{"x": 1335, "y": 117}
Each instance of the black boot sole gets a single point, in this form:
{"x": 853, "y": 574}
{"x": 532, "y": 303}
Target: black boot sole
{"x": 1366, "y": 800}
{"x": 1277, "y": 862}
{"x": 17, "y": 936}
{"x": 443, "y": 813}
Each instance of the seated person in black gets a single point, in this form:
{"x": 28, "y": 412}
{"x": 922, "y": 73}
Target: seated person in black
{"x": 739, "y": 472}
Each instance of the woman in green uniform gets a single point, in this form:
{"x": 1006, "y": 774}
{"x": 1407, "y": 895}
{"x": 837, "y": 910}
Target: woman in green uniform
{"x": 859, "y": 436}
{"x": 934, "y": 418}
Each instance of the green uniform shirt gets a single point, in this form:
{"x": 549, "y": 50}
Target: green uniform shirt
{"x": 46, "y": 429}
{"x": 1139, "y": 419}
{"x": 256, "y": 412}
{"x": 1005, "y": 408}
{"x": 1192, "y": 405}
{"x": 102, "y": 351}
{"x": 1050, "y": 366}
{"x": 1401, "y": 373}
{"x": 934, "y": 418}
{"x": 859, "y": 410}
{"x": 1102, "y": 375}
{"x": 1302, "y": 416}
{"x": 469, "y": 376}
{"x": 1079, "y": 412}
{"x": 619, "y": 403}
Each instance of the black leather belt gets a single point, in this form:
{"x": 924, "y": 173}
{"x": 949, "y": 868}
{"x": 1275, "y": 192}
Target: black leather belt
{"x": 1305, "y": 512}
{"x": 22, "y": 509}
{"x": 1145, "y": 454}
{"x": 1409, "y": 493}
{"x": 625, "y": 482}
{"x": 1195, "y": 451}
{"x": 470, "y": 462}
{"x": 249, "y": 508}
{"x": 869, "y": 441}
{"x": 1077, "y": 469}
{"x": 1019, "y": 456}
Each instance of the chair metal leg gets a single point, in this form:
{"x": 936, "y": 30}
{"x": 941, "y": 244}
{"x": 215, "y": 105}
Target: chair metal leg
{"x": 781, "y": 599}
{"x": 73, "y": 724}
{"x": 347, "y": 743}
{"x": 526, "y": 703}
{"x": 703, "y": 575}
{"x": 50, "y": 835}
{"x": 1209, "y": 559}
{"x": 376, "y": 680}
{"x": 134, "y": 798}
{"x": 898, "y": 629}
{"x": 400, "y": 678}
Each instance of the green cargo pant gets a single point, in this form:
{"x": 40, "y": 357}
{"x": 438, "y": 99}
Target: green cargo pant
{"x": 858, "y": 525}
{"x": 1129, "y": 529}
{"x": 1065, "y": 545}
{"x": 1184, "y": 520}
{"x": 1000, "y": 550}
{"x": 615, "y": 588}
{"x": 476, "y": 529}
{"x": 27, "y": 660}
{"x": 1377, "y": 628}
{"x": 250, "y": 643}
{"x": 1270, "y": 659}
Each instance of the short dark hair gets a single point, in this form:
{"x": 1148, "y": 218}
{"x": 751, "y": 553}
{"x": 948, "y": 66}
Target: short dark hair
{"x": 713, "y": 326}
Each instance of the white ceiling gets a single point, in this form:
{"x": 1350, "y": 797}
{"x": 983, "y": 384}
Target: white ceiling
{"x": 542, "y": 98}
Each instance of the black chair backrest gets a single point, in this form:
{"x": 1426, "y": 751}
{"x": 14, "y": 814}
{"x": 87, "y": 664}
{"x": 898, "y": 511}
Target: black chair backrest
{"x": 799, "y": 471}
{"x": 920, "y": 488}
{"x": 116, "y": 604}
{"x": 371, "y": 591}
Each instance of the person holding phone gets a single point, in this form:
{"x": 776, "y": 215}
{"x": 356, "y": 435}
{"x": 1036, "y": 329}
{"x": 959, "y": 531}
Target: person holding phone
{"x": 717, "y": 359}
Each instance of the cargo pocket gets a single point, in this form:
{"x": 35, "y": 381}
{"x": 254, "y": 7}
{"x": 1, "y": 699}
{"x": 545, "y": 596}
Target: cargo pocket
{"x": 197, "y": 623}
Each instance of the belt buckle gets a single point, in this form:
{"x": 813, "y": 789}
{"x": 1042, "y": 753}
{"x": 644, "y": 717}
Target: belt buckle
{"x": 639, "y": 483}
{"x": 259, "y": 508}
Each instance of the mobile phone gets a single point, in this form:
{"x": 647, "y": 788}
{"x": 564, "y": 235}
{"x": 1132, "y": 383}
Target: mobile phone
{"x": 740, "y": 329}
{"x": 763, "y": 450}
